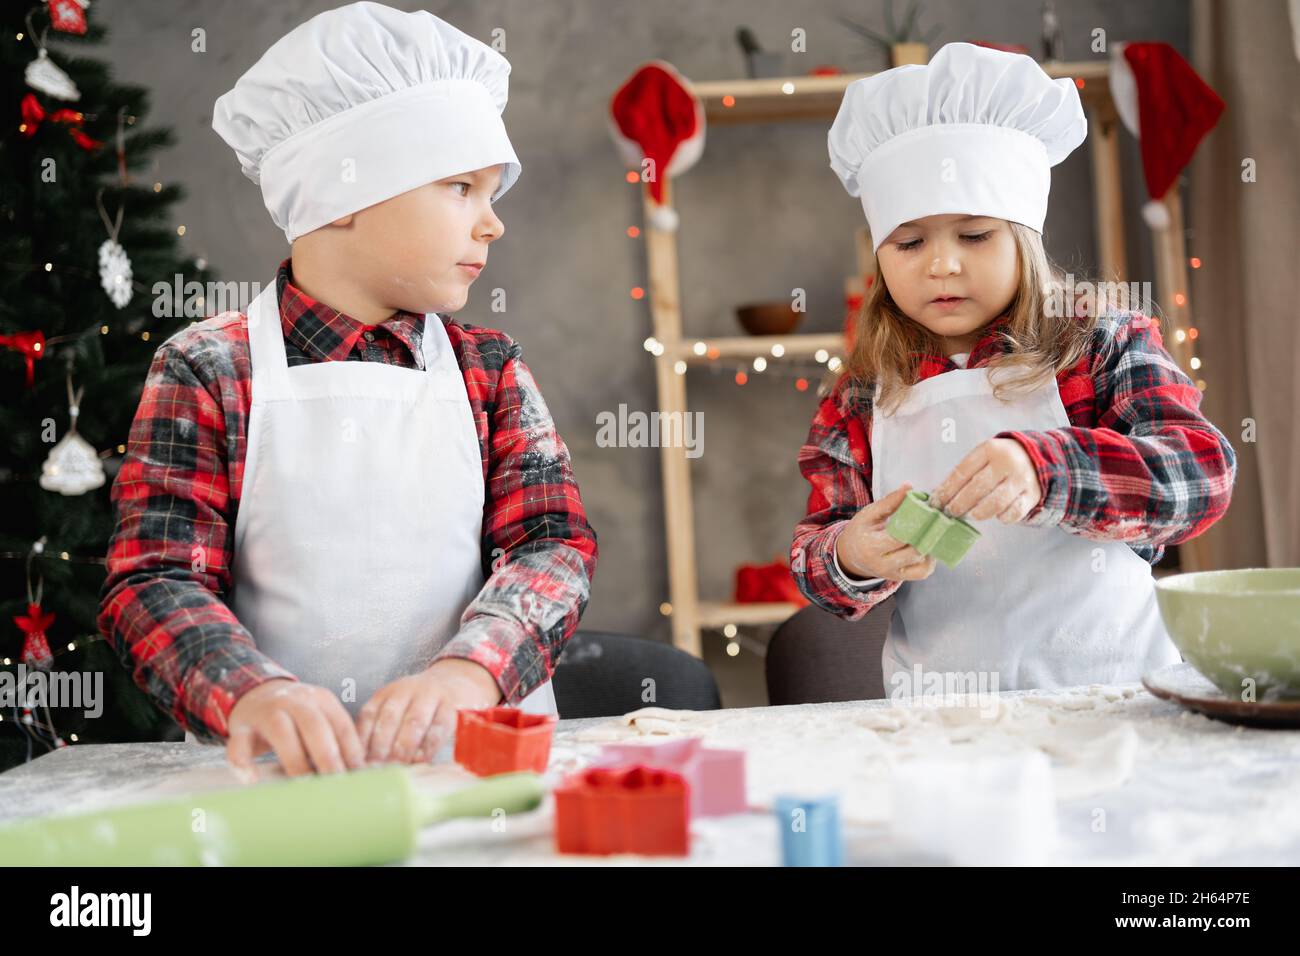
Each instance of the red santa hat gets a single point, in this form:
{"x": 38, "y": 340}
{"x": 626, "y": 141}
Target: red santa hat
{"x": 655, "y": 115}
{"x": 1162, "y": 102}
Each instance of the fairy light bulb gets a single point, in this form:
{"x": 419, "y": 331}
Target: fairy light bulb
{"x": 821, "y": 355}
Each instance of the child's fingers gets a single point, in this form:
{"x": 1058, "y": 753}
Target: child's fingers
{"x": 345, "y": 732}
{"x": 240, "y": 752}
{"x": 416, "y": 723}
{"x": 386, "y": 727}
{"x": 318, "y": 739}
{"x": 282, "y": 732}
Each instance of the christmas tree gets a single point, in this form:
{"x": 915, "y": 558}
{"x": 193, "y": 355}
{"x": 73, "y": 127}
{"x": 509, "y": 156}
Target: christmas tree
{"x": 86, "y": 236}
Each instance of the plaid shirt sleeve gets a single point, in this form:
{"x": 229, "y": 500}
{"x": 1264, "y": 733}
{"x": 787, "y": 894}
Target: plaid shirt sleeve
{"x": 1153, "y": 471}
{"x": 836, "y": 461}
{"x": 169, "y": 560}
{"x": 539, "y": 550}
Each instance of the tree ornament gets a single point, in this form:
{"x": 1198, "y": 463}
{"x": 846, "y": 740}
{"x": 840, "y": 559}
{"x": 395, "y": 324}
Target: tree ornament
{"x": 34, "y": 624}
{"x": 68, "y": 16}
{"x": 45, "y": 75}
{"x": 114, "y": 264}
{"x": 73, "y": 466}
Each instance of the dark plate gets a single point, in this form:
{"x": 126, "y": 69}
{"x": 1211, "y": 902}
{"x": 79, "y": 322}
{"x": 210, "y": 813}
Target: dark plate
{"x": 1185, "y": 685}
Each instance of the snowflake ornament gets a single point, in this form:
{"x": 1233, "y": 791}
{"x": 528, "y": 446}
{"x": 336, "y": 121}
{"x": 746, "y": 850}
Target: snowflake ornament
{"x": 115, "y": 272}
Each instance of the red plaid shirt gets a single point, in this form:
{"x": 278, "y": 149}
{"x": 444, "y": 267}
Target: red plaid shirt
{"x": 179, "y": 489}
{"x": 1137, "y": 464}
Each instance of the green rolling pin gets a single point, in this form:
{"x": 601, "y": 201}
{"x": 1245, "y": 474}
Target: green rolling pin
{"x": 359, "y": 818}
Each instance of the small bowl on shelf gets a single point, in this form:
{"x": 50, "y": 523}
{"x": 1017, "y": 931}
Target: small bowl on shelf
{"x": 769, "y": 318}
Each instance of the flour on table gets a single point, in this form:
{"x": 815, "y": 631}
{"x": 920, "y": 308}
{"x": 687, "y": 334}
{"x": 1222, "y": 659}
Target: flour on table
{"x": 852, "y": 751}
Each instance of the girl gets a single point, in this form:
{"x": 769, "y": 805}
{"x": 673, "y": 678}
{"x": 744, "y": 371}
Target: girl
{"x": 1074, "y": 444}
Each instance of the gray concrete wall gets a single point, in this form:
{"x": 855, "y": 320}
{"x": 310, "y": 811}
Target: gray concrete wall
{"x": 761, "y": 214}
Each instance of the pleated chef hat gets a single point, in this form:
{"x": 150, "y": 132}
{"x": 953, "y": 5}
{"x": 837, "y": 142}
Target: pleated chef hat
{"x": 974, "y": 132}
{"x": 363, "y": 103}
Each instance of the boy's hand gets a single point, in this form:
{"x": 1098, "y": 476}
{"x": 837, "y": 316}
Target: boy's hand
{"x": 997, "y": 479}
{"x": 307, "y": 726}
{"x": 867, "y": 550}
{"x": 410, "y": 719}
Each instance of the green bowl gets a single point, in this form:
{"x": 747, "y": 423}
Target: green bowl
{"x": 1237, "y": 626}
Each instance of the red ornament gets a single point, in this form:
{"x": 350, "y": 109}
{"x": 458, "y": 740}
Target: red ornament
{"x": 36, "y": 649}
{"x": 67, "y": 17}
{"x": 30, "y": 344}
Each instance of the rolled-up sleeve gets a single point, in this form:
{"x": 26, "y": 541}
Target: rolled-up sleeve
{"x": 1153, "y": 471}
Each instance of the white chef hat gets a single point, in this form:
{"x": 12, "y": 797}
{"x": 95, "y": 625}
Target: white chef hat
{"x": 974, "y": 132}
{"x": 363, "y": 103}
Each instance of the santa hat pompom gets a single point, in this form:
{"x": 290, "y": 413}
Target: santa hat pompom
{"x": 1156, "y": 214}
{"x": 663, "y": 217}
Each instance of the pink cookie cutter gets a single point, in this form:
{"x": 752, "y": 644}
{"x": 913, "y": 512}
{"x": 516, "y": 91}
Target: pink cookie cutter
{"x": 716, "y": 777}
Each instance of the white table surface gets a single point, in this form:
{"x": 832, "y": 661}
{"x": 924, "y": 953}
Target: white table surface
{"x": 1199, "y": 792}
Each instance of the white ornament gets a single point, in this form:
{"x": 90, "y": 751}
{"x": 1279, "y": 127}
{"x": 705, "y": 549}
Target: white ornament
{"x": 115, "y": 272}
{"x": 73, "y": 467}
{"x": 45, "y": 75}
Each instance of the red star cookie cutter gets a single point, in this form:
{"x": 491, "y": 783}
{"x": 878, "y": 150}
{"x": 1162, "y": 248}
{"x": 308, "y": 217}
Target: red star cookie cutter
{"x": 630, "y": 809}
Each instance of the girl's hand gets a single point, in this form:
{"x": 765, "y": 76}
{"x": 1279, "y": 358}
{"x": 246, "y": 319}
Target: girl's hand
{"x": 867, "y": 550}
{"x": 410, "y": 719}
{"x": 996, "y": 480}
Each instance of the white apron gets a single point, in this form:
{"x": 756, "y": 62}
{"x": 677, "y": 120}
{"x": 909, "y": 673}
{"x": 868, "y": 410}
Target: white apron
{"x": 358, "y": 537}
{"x": 1037, "y": 606}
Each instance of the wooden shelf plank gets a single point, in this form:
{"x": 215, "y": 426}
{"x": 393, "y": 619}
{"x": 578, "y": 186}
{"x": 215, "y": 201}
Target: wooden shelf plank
{"x": 714, "y": 614}
{"x": 752, "y": 346}
{"x": 818, "y": 97}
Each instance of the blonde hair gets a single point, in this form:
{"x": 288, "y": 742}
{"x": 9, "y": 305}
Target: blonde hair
{"x": 888, "y": 344}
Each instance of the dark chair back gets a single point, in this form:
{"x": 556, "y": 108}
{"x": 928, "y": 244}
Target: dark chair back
{"x": 603, "y": 675}
{"x": 816, "y": 657}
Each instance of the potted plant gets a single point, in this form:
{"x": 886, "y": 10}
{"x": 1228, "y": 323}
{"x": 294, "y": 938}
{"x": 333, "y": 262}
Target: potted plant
{"x": 904, "y": 42}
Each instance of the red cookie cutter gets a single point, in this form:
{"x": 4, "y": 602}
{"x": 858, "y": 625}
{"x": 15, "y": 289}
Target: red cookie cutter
{"x": 716, "y": 777}
{"x": 629, "y": 809}
{"x": 502, "y": 740}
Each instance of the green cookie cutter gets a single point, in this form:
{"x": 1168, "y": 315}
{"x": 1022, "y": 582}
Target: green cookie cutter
{"x": 929, "y": 530}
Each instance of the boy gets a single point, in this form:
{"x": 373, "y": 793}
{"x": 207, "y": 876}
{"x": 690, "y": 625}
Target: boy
{"x": 357, "y": 509}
